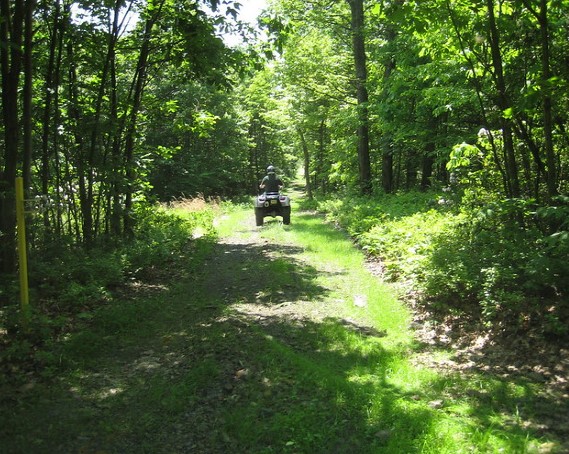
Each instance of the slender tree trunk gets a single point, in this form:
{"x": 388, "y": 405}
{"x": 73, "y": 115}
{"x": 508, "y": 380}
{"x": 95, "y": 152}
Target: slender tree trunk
{"x": 547, "y": 106}
{"x": 49, "y": 94}
{"x": 479, "y": 94}
{"x": 319, "y": 181}
{"x": 11, "y": 36}
{"x": 512, "y": 184}
{"x": 58, "y": 175}
{"x": 398, "y": 166}
{"x": 306, "y": 155}
{"x": 27, "y": 94}
{"x": 427, "y": 167}
{"x": 139, "y": 82}
{"x": 428, "y": 158}
{"x": 386, "y": 140}
{"x": 521, "y": 129}
{"x": 95, "y": 145}
{"x": 116, "y": 175}
{"x": 387, "y": 167}
{"x": 358, "y": 43}
{"x": 79, "y": 158}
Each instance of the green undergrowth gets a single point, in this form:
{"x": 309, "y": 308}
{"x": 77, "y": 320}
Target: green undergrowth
{"x": 501, "y": 260}
{"x": 71, "y": 286}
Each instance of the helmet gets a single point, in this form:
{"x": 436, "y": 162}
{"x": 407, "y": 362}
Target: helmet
{"x": 270, "y": 169}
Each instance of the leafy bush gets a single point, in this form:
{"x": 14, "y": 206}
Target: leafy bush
{"x": 359, "y": 214}
{"x": 163, "y": 235}
{"x": 505, "y": 260}
{"x": 70, "y": 277}
{"x": 69, "y": 284}
{"x": 404, "y": 243}
{"x": 496, "y": 259}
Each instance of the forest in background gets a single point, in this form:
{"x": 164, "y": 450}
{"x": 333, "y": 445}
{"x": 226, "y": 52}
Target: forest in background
{"x": 434, "y": 131}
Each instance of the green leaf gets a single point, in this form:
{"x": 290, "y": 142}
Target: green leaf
{"x": 508, "y": 113}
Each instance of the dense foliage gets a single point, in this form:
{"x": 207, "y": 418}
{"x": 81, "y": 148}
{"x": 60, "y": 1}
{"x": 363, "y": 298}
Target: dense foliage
{"x": 477, "y": 263}
{"x": 122, "y": 103}
{"x": 468, "y": 98}
{"x": 73, "y": 285}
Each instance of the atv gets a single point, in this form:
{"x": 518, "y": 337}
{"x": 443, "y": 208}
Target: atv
{"x": 272, "y": 204}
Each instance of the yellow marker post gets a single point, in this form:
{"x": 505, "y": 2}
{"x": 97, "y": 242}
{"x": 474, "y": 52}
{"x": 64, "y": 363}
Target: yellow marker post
{"x": 22, "y": 251}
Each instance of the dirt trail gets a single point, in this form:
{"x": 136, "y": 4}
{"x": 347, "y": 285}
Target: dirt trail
{"x": 270, "y": 285}
{"x": 262, "y": 278}
{"x": 259, "y": 289}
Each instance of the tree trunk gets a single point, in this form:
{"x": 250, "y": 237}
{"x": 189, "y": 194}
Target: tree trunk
{"x": 79, "y": 157}
{"x": 306, "y": 156}
{"x": 50, "y": 92}
{"x": 11, "y": 35}
{"x": 358, "y": 43}
{"x": 550, "y": 158}
{"x": 480, "y": 96}
{"x": 428, "y": 158}
{"x": 503, "y": 101}
{"x": 320, "y": 179}
{"x": 116, "y": 174}
{"x": 27, "y": 94}
{"x": 386, "y": 141}
{"x": 427, "y": 169}
{"x": 154, "y": 10}
{"x": 387, "y": 165}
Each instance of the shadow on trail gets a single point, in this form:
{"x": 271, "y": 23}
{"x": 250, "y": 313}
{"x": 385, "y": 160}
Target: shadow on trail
{"x": 268, "y": 274}
{"x": 287, "y": 386}
{"x": 209, "y": 379}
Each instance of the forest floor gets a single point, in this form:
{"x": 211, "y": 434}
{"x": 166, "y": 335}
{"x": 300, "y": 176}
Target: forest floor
{"x": 284, "y": 339}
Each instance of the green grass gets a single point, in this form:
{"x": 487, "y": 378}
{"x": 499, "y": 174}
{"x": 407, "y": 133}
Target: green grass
{"x": 211, "y": 362}
{"x": 371, "y": 397}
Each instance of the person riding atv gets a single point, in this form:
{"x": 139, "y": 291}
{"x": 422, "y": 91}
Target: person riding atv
{"x": 271, "y": 183}
{"x": 271, "y": 202}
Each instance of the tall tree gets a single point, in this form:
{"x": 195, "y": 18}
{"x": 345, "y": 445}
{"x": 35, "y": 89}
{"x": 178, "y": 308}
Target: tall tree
{"x": 12, "y": 20}
{"x": 357, "y": 25}
{"x": 541, "y": 14}
{"x": 153, "y": 13}
{"x": 503, "y": 102}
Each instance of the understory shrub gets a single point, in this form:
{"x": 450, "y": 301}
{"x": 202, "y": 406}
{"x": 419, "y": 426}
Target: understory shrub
{"x": 161, "y": 235}
{"x": 67, "y": 277}
{"x": 69, "y": 283}
{"x": 397, "y": 228}
{"x": 499, "y": 257}
{"x": 404, "y": 244}
{"x": 359, "y": 214}
{"x": 506, "y": 261}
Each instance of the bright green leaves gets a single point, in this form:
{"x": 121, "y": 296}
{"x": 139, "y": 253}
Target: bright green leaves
{"x": 204, "y": 123}
{"x": 462, "y": 155}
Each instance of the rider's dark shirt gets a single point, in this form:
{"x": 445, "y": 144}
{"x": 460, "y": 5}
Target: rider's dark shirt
{"x": 272, "y": 183}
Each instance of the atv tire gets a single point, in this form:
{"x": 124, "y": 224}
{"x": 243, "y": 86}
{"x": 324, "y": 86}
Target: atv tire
{"x": 259, "y": 218}
{"x": 286, "y": 215}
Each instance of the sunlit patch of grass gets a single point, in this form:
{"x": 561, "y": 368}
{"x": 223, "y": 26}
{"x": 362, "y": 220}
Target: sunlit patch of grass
{"x": 371, "y": 396}
{"x": 236, "y": 221}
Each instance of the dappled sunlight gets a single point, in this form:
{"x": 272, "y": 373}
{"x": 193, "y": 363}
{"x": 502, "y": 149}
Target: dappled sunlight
{"x": 264, "y": 274}
{"x": 110, "y": 392}
{"x": 269, "y": 348}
